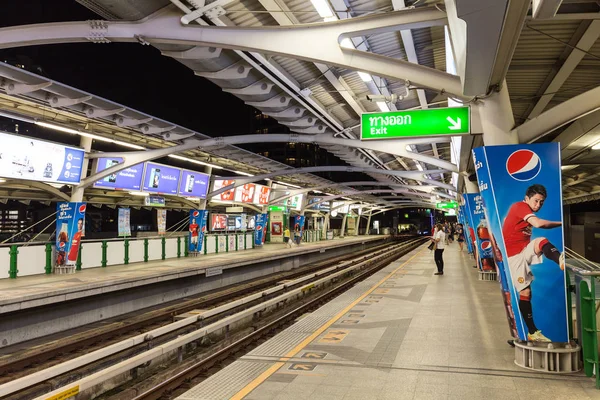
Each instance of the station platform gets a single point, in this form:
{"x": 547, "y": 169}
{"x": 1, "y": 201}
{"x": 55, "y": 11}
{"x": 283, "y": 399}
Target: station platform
{"x": 403, "y": 333}
{"x": 46, "y": 304}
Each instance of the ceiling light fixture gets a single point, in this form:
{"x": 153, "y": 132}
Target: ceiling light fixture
{"x": 596, "y": 146}
{"x": 323, "y": 8}
{"x": 143, "y": 194}
{"x": 194, "y": 161}
{"x": 240, "y": 172}
{"x": 92, "y": 136}
{"x": 347, "y": 43}
{"x": 288, "y": 184}
{"x": 365, "y": 77}
{"x": 383, "y": 106}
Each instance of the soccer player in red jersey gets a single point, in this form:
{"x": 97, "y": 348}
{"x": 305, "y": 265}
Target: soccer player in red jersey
{"x": 522, "y": 252}
{"x": 194, "y": 232}
{"x": 75, "y": 242}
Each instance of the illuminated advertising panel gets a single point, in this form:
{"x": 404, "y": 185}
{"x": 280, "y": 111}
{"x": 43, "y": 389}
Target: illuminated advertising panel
{"x": 37, "y": 160}
{"x": 160, "y": 178}
{"x": 127, "y": 179}
{"x": 228, "y": 195}
{"x": 261, "y": 195}
{"x": 218, "y": 222}
{"x": 245, "y": 193}
{"x": 193, "y": 184}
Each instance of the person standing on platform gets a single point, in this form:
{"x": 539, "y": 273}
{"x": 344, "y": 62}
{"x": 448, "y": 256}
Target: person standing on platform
{"x": 461, "y": 236}
{"x": 297, "y": 235}
{"x": 439, "y": 239}
{"x": 286, "y": 237}
{"x": 522, "y": 252}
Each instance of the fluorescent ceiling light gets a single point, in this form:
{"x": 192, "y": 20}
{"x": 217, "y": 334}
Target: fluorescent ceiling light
{"x": 317, "y": 191}
{"x": 143, "y": 194}
{"x": 192, "y": 198}
{"x": 409, "y": 147}
{"x": 92, "y": 136}
{"x": 383, "y": 106}
{"x": 365, "y": 77}
{"x": 569, "y": 167}
{"x": 596, "y": 146}
{"x": 288, "y": 184}
{"x": 2, "y": 180}
{"x": 329, "y": 194}
{"x": 419, "y": 167}
{"x": 330, "y": 19}
{"x": 347, "y": 43}
{"x": 240, "y": 172}
{"x": 323, "y": 8}
{"x": 194, "y": 161}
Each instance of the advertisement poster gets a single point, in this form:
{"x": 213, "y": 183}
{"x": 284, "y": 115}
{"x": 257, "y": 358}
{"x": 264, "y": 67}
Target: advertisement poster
{"x": 160, "y": 178}
{"x": 222, "y": 243}
{"x": 231, "y": 242}
{"x": 478, "y": 223}
{"x": 127, "y": 179}
{"x": 259, "y": 233}
{"x": 70, "y": 219}
{"x": 294, "y": 202}
{"x": 197, "y": 229}
{"x": 37, "y": 160}
{"x": 161, "y": 221}
{"x": 262, "y": 195}
{"x": 229, "y": 195}
{"x": 526, "y": 226}
{"x": 218, "y": 222}
{"x": 123, "y": 222}
{"x": 251, "y": 222}
{"x": 465, "y": 223}
{"x": 193, "y": 184}
{"x": 244, "y": 222}
{"x": 276, "y": 219}
{"x": 231, "y": 222}
{"x": 245, "y": 193}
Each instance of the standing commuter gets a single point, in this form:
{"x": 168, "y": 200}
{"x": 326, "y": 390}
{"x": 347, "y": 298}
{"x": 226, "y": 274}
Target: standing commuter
{"x": 439, "y": 239}
{"x": 286, "y": 237}
{"x": 297, "y": 235}
{"x": 461, "y": 236}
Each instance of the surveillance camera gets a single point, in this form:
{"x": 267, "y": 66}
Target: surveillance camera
{"x": 376, "y": 97}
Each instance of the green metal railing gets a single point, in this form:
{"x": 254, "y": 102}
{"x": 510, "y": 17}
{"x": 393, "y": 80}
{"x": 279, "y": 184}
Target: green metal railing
{"x": 582, "y": 280}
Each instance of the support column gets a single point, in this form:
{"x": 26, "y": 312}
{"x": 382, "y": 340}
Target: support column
{"x": 368, "y": 223}
{"x": 325, "y": 225}
{"x": 497, "y": 119}
{"x": 204, "y": 202}
{"x": 77, "y": 192}
{"x": 343, "y": 230}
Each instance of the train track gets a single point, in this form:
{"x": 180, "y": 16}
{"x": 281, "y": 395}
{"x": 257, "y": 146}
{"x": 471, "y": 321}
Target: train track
{"x": 43, "y": 357}
{"x": 177, "y": 381}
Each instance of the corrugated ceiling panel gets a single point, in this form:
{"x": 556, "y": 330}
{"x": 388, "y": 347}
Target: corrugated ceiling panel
{"x": 388, "y": 44}
{"x": 533, "y": 45}
{"x": 303, "y": 11}
{"x": 240, "y": 13}
{"x": 303, "y": 72}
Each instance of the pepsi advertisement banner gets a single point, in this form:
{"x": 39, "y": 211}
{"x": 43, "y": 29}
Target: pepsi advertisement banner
{"x": 127, "y": 179}
{"x": 521, "y": 186}
{"x": 70, "y": 220}
{"x": 193, "y": 184}
{"x": 299, "y": 223}
{"x": 468, "y": 228}
{"x": 484, "y": 253}
{"x": 160, "y": 178}
{"x": 259, "y": 232}
{"x": 463, "y": 220}
{"x": 197, "y": 229}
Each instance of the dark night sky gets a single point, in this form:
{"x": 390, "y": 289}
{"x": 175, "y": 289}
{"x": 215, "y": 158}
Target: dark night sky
{"x": 131, "y": 74}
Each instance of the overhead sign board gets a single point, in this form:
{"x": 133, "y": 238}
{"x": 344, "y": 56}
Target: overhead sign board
{"x": 37, "y": 160}
{"x": 227, "y": 195}
{"x": 401, "y": 124}
{"x": 193, "y": 184}
{"x": 448, "y": 204}
{"x": 161, "y": 179}
{"x": 127, "y": 179}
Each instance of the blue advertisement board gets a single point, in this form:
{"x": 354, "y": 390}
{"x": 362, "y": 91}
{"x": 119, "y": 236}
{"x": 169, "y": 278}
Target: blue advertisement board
{"x": 465, "y": 223}
{"x": 298, "y": 228}
{"x": 197, "y": 229}
{"x": 521, "y": 188}
{"x": 127, "y": 179}
{"x": 160, "y": 178}
{"x": 259, "y": 232}
{"x": 193, "y": 184}
{"x": 484, "y": 253}
{"x": 37, "y": 160}
{"x": 70, "y": 220}
{"x": 124, "y": 222}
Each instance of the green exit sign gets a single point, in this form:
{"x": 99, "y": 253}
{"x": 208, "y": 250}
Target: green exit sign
{"x": 401, "y": 124}
{"x": 448, "y": 204}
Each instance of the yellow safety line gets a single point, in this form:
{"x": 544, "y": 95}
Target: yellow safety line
{"x": 265, "y": 375}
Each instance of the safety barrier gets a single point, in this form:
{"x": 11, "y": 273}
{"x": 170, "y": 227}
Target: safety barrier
{"x": 487, "y": 275}
{"x": 25, "y": 259}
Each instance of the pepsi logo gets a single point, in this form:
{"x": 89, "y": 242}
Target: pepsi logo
{"x": 82, "y": 208}
{"x": 258, "y": 227}
{"x": 523, "y": 165}
{"x": 486, "y": 245}
{"x": 196, "y": 213}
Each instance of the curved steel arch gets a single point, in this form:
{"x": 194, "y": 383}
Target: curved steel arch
{"x": 419, "y": 188}
{"x": 394, "y": 147}
{"x": 329, "y": 198}
{"x": 415, "y": 175}
{"x": 164, "y": 27}
{"x": 41, "y": 185}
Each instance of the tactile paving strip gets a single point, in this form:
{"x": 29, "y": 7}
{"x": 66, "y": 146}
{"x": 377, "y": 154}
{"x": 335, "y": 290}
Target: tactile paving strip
{"x": 227, "y": 383}
{"x": 280, "y": 345}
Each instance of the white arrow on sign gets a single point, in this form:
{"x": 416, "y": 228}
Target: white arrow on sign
{"x": 455, "y": 124}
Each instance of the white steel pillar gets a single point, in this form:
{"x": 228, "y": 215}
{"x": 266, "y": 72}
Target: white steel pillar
{"x": 325, "y": 225}
{"x": 204, "y": 202}
{"x": 77, "y": 192}
{"x": 343, "y": 230}
{"x": 497, "y": 119}
{"x": 368, "y": 223}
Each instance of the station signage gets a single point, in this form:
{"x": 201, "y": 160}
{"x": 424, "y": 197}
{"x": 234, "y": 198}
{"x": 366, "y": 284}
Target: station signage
{"x": 37, "y": 160}
{"x": 193, "y": 184}
{"x": 447, "y": 204}
{"x": 127, "y": 179}
{"x": 161, "y": 179}
{"x": 401, "y": 124}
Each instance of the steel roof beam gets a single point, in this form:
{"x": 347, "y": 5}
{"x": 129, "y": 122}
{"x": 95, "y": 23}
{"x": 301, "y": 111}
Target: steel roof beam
{"x": 165, "y": 27}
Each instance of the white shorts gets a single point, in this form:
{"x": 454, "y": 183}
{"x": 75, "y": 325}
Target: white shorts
{"x": 195, "y": 239}
{"x": 519, "y": 266}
